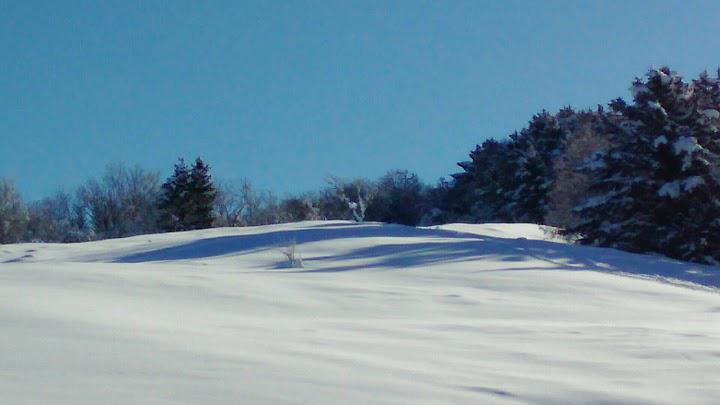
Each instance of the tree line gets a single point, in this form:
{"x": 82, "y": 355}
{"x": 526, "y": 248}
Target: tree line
{"x": 642, "y": 176}
{"x": 132, "y": 201}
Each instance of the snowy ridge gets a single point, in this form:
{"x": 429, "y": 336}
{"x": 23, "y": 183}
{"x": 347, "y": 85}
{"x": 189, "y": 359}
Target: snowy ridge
{"x": 460, "y": 313}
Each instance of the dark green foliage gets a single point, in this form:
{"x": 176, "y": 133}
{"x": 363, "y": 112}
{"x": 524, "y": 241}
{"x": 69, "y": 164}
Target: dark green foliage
{"x": 534, "y": 150}
{"x": 509, "y": 181}
{"x": 646, "y": 175}
{"x": 482, "y": 193}
{"x": 187, "y": 198}
{"x": 657, "y": 188}
{"x": 201, "y": 196}
{"x": 174, "y": 200}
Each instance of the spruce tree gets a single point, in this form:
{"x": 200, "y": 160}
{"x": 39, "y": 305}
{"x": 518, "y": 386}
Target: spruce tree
{"x": 698, "y": 237}
{"x": 173, "y": 205}
{"x": 491, "y": 174}
{"x": 201, "y": 196}
{"x": 534, "y": 150}
{"x": 509, "y": 181}
{"x": 657, "y": 187}
{"x": 587, "y": 138}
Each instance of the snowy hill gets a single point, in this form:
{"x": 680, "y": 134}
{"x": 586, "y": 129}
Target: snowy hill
{"x": 379, "y": 314}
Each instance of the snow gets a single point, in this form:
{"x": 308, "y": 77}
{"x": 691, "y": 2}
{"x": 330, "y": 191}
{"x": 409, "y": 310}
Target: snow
{"x": 664, "y": 79}
{"x": 686, "y": 145}
{"x": 657, "y": 106}
{"x": 660, "y": 140}
{"x": 460, "y": 313}
{"x": 670, "y": 189}
{"x": 691, "y": 182}
{"x": 637, "y": 89}
{"x": 711, "y": 114}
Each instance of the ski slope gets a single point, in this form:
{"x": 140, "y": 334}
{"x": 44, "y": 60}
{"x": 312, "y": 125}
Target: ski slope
{"x": 497, "y": 313}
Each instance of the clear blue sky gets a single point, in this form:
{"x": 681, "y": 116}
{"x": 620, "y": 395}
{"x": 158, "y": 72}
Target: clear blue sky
{"x": 287, "y": 92}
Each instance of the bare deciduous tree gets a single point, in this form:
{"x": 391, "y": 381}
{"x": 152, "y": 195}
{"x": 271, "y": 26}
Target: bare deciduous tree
{"x": 228, "y": 205}
{"x": 571, "y": 183}
{"x": 57, "y": 219}
{"x": 122, "y": 203}
{"x": 13, "y": 215}
{"x": 356, "y": 194}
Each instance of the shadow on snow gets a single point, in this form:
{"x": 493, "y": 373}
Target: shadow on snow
{"x": 248, "y": 243}
{"x": 447, "y": 247}
{"x": 558, "y": 256}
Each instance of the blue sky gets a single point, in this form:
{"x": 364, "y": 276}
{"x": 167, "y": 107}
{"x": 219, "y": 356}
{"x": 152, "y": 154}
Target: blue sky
{"x": 288, "y": 92}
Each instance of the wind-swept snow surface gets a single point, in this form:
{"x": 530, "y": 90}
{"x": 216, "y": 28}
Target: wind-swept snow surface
{"x": 379, "y": 314}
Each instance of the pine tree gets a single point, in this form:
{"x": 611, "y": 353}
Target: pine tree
{"x": 201, "y": 197}
{"x": 491, "y": 176}
{"x": 570, "y": 185}
{"x": 657, "y": 187}
{"x": 698, "y": 237}
{"x": 534, "y": 150}
{"x": 174, "y": 206}
{"x": 509, "y": 181}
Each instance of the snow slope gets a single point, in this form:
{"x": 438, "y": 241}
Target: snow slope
{"x": 380, "y": 314}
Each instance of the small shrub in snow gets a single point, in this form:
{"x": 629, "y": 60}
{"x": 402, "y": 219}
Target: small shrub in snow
{"x": 294, "y": 259}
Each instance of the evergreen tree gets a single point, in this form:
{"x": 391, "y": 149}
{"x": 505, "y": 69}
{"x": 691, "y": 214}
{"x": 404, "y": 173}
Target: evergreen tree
{"x": 534, "y": 151}
{"x": 174, "y": 201}
{"x": 509, "y": 181}
{"x": 657, "y": 187}
{"x": 570, "y": 184}
{"x": 482, "y": 191}
{"x": 200, "y": 197}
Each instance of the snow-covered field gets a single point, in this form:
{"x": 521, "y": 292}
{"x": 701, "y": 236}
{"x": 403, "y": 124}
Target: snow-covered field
{"x": 379, "y": 314}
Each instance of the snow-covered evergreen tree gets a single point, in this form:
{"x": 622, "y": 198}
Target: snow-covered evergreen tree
{"x": 509, "y": 181}
{"x": 534, "y": 151}
{"x": 656, "y": 189}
